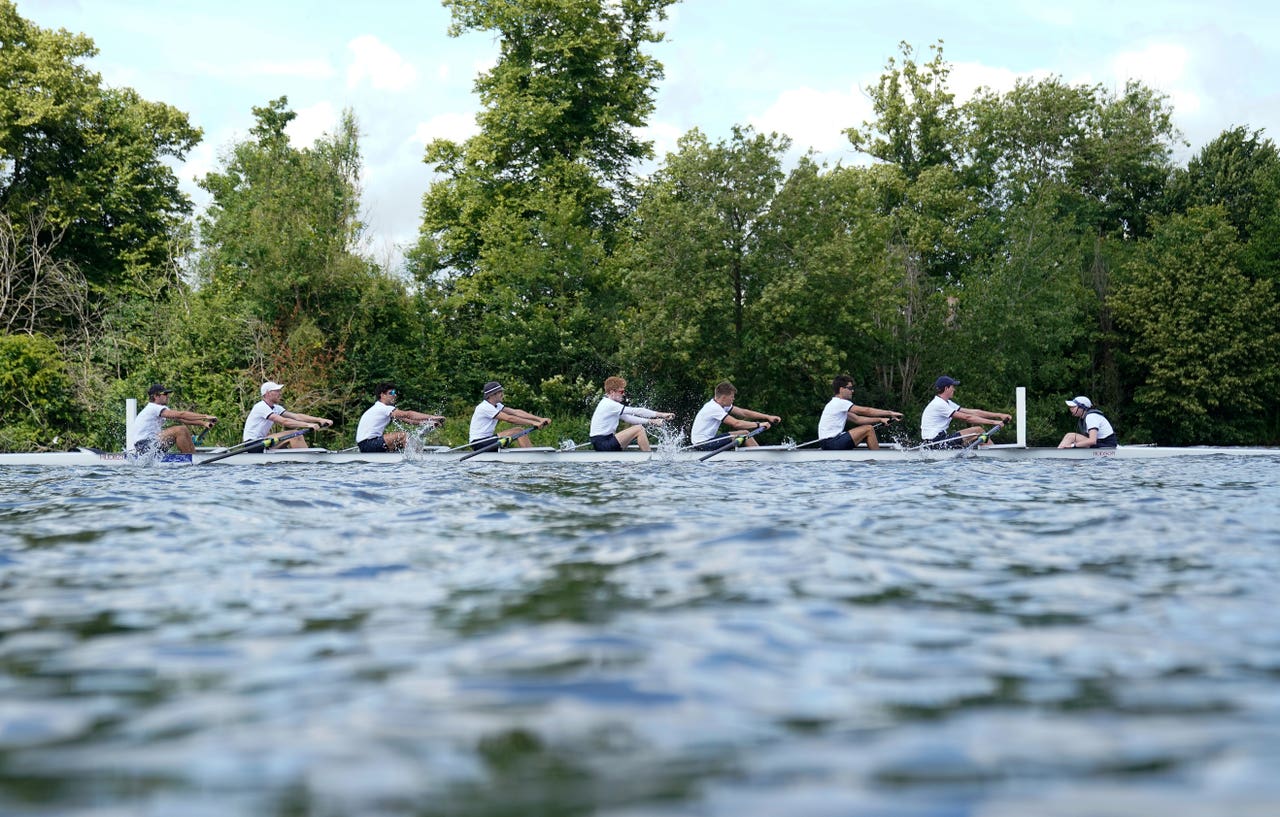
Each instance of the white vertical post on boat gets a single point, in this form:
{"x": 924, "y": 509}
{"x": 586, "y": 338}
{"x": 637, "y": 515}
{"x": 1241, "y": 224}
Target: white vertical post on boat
{"x": 1020, "y": 408}
{"x": 130, "y": 411}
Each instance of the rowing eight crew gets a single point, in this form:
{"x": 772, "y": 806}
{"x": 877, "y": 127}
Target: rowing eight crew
{"x": 843, "y": 425}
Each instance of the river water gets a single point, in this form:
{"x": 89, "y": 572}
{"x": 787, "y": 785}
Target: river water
{"x": 953, "y": 638}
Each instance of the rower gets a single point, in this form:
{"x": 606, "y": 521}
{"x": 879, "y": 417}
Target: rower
{"x": 840, "y": 409}
{"x": 490, "y": 411}
{"x": 148, "y": 433}
{"x": 937, "y": 416}
{"x": 720, "y": 410}
{"x": 370, "y": 438}
{"x": 613, "y": 408}
{"x": 268, "y": 412}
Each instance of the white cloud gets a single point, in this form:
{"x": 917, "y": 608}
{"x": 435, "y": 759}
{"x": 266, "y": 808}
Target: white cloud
{"x": 664, "y": 136}
{"x": 455, "y": 126}
{"x": 379, "y": 64}
{"x": 311, "y": 123}
{"x": 815, "y": 119}
{"x": 1162, "y": 66}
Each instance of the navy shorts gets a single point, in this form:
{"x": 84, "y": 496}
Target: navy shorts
{"x": 373, "y": 445}
{"x": 840, "y": 442}
{"x": 948, "y": 440}
{"x": 606, "y": 442}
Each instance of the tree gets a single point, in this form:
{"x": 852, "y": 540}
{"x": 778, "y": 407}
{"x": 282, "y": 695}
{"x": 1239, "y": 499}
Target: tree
{"x": 694, "y": 269}
{"x": 516, "y": 233}
{"x": 1240, "y": 171}
{"x": 90, "y": 163}
{"x": 1068, "y": 178}
{"x": 284, "y": 292}
{"x": 915, "y": 125}
{"x": 36, "y": 402}
{"x": 1205, "y": 337}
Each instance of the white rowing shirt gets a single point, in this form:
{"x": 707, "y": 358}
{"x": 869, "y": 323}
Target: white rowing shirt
{"x": 374, "y": 421}
{"x": 937, "y": 417}
{"x": 609, "y": 411}
{"x": 147, "y": 423}
{"x": 258, "y": 424}
{"x": 484, "y": 420}
{"x": 834, "y": 416}
{"x": 707, "y": 424}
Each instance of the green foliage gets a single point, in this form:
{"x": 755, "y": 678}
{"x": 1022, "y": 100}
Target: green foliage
{"x": 284, "y": 294}
{"x": 1205, "y": 336}
{"x": 517, "y": 235}
{"x": 92, "y": 161}
{"x": 916, "y": 126}
{"x": 1239, "y": 171}
{"x": 36, "y": 401}
{"x": 1036, "y": 237}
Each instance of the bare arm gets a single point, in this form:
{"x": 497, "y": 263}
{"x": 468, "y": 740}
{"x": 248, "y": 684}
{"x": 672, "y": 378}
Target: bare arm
{"x": 191, "y": 418}
{"x": 305, "y": 418}
{"x": 971, "y": 415}
{"x": 523, "y": 418}
{"x": 865, "y": 415}
{"x": 416, "y": 418}
{"x": 748, "y": 414}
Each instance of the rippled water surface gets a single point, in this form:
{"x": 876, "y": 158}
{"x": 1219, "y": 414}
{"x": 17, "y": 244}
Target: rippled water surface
{"x": 957, "y": 638}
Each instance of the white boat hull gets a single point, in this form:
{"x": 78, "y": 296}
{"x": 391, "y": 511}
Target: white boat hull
{"x": 528, "y": 456}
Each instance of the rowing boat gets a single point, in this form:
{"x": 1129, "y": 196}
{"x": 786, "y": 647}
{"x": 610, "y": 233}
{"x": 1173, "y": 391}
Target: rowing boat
{"x": 660, "y": 454}
{"x": 537, "y": 455}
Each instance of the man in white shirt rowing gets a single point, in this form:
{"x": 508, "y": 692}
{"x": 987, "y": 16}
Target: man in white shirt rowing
{"x": 841, "y": 410}
{"x": 705, "y": 432}
{"x": 613, "y": 409}
{"x": 491, "y": 411}
{"x": 149, "y": 432}
{"x": 268, "y": 412}
{"x": 369, "y": 434}
{"x": 935, "y": 421}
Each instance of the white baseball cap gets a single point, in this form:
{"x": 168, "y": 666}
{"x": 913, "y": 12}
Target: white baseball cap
{"x": 270, "y": 385}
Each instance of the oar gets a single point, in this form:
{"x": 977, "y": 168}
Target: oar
{"x": 719, "y": 439}
{"x": 266, "y": 442}
{"x": 931, "y": 444}
{"x": 982, "y": 438}
{"x": 732, "y": 442}
{"x": 497, "y": 441}
{"x": 494, "y": 438}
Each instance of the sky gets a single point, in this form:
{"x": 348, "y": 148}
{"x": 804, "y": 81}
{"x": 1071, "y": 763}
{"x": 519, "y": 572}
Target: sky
{"x": 795, "y": 67}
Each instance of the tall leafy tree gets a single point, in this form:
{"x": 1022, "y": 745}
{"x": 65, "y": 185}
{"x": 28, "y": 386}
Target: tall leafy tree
{"x": 695, "y": 268}
{"x": 515, "y": 232}
{"x": 929, "y": 211}
{"x": 1205, "y": 337}
{"x": 284, "y": 290}
{"x": 1239, "y": 171}
{"x": 90, "y": 162}
{"x": 1068, "y": 177}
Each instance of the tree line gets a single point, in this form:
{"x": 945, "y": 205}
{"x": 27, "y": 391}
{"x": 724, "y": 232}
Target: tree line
{"x": 1040, "y": 237}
